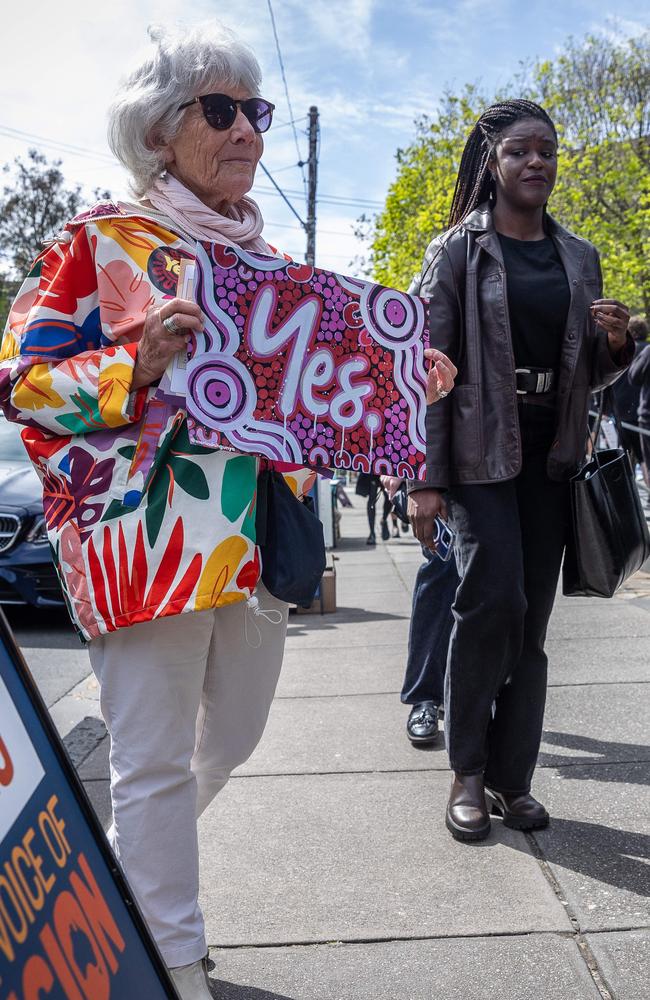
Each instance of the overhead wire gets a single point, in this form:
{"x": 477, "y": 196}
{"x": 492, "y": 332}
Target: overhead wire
{"x": 283, "y": 195}
{"x": 301, "y": 163}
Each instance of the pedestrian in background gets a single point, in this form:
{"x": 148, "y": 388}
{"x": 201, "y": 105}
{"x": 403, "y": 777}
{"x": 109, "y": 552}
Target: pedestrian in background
{"x": 639, "y": 378}
{"x": 423, "y": 688}
{"x": 370, "y": 487}
{"x": 627, "y": 395}
{"x": 516, "y": 302}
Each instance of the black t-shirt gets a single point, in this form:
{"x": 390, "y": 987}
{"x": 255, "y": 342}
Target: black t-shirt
{"x": 538, "y": 300}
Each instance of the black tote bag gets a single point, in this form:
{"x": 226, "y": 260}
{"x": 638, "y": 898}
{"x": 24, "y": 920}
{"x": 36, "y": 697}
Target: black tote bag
{"x": 608, "y": 537}
{"x": 291, "y": 541}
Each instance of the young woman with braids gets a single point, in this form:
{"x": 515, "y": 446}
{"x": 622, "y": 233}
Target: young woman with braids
{"x": 516, "y": 303}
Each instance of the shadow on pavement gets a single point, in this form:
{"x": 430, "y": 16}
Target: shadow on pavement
{"x": 358, "y": 545}
{"x": 41, "y": 628}
{"x": 222, "y": 990}
{"x": 303, "y": 624}
{"x": 600, "y": 752}
{"x": 619, "y": 858}
{"x": 343, "y": 614}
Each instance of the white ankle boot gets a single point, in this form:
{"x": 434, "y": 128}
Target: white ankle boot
{"x": 191, "y": 981}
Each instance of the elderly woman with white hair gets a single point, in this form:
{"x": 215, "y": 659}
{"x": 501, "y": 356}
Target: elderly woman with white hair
{"x": 154, "y": 537}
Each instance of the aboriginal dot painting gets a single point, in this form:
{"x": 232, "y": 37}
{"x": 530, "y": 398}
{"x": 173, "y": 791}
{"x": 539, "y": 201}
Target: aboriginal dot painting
{"x": 302, "y": 365}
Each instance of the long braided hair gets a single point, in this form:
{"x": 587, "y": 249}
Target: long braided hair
{"x": 474, "y": 183}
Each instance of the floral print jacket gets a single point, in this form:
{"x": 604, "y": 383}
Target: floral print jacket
{"x": 142, "y": 524}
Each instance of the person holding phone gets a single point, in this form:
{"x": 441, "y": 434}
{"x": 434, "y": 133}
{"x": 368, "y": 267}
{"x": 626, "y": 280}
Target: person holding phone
{"x": 516, "y": 302}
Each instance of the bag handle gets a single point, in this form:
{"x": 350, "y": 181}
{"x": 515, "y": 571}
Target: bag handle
{"x": 592, "y": 435}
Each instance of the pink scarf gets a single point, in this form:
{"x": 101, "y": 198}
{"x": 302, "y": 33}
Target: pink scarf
{"x": 241, "y": 227}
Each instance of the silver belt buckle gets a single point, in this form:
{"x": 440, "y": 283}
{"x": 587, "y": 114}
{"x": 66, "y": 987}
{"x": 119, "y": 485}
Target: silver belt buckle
{"x": 544, "y": 381}
{"x": 521, "y": 371}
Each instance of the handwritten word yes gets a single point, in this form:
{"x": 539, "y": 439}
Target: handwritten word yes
{"x": 307, "y": 372}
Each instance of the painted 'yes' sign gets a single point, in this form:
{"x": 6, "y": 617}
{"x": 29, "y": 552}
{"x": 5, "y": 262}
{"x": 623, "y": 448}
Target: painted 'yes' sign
{"x": 302, "y": 365}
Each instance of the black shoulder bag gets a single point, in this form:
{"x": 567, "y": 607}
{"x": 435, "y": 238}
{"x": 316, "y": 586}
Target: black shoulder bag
{"x": 608, "y": 534}
{"x": 291, "y": 542}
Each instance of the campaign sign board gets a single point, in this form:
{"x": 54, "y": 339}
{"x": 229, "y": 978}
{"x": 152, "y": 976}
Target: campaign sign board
{"x": 69, "y": 927}
{"x": 301, "y": 365}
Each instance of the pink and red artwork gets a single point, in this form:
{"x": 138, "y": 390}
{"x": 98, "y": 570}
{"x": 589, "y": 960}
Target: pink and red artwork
{"x": 305, "y": 366}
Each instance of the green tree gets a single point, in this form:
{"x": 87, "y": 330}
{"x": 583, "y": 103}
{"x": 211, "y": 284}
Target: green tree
{"x": 35, "y": 204}
{"x": 418, "y": 200}
{"x": 598, "y": 92}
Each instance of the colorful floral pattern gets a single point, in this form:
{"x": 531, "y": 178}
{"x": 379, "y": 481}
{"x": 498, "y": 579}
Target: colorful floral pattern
{"x": 142, "y": 523}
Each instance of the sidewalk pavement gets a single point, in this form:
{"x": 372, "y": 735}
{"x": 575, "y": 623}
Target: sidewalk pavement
{"x": 327, "y": 870}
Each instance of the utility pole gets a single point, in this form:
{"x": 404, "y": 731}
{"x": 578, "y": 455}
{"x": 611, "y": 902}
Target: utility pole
{"x": 312, "y": 162}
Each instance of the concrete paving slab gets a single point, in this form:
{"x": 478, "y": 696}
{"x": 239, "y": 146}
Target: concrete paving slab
{"x": 328, "y": 632}
{"x": 599, "y": 620}
{"x": 360, "y": 857}
{"x": 355, "y": 600}
{"x": 56, "y": 671}
{"x": 364, "y": 555}
{"x": 596, "y": 724}
{"x": 96, "y": 765}
{"x": 341, "y": 734}
{"x": 318, "y": 672}
{"x": 598, "y": 661}
{"x": 598, "y": 843}
{"x": 80, "y": 703}
{"x": 360, "y": 607}
{"x": 99, "y": 793}
{"x": 624, "y": 959}
{"x": 350, "y": 585}
{"x": 532, "y": 967}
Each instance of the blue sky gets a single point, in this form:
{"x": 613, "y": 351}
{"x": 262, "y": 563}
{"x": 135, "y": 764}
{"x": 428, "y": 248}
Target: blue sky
{"x": 371, "y": 67}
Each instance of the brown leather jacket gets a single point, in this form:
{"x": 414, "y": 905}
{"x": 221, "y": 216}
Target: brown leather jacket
{"x": 473, "y": 434}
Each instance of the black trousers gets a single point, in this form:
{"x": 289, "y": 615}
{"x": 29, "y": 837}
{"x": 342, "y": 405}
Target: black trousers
{"x": 510, "y": 542}
{"x": 376, "y": 490}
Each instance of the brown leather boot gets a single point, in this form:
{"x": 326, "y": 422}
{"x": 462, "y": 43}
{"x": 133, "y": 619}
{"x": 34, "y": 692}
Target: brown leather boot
{"x": 467, "y": 814}
{"x": 520, "y": 812}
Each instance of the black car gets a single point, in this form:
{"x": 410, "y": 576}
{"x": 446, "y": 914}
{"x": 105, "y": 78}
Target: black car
{"x": 27, "y": 574}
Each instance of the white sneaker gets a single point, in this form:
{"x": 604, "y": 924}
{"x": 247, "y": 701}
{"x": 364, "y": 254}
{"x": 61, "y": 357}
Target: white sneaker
{"x": 191, "y": 981}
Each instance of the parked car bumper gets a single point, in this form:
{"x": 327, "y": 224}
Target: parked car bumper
{"x": 29, "y": 577}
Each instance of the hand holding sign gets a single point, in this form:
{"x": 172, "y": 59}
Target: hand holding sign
{"x": 301, "y": 365}
{"x": 441, "y": 375}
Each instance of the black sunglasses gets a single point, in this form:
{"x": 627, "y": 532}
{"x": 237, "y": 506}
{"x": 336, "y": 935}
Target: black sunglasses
{"x": 220, "y": 111}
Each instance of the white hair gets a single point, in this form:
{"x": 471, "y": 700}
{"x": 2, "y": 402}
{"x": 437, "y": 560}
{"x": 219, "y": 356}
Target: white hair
{"x": 182, "y": 62}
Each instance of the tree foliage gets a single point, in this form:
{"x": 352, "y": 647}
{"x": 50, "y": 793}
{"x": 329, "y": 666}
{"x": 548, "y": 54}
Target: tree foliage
{"x": 35, "y": 204}
{"x": 598, "y": 93}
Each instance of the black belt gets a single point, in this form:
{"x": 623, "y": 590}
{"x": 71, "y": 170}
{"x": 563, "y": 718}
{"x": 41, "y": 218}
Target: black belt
{"x": 534, "y": 380}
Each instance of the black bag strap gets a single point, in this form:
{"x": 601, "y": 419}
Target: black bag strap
{"x": 262, "y": 505}
{"x": 592, "y": 435}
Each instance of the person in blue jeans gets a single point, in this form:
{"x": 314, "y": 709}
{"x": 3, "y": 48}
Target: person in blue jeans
{"x": 431, "y": 623}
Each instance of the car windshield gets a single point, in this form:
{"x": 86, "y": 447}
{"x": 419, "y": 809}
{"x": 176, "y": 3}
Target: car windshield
{"x": 12, "y": 448}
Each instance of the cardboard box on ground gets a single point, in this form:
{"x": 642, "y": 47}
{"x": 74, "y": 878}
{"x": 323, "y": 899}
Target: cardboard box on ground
{"x": 325, "y": 601}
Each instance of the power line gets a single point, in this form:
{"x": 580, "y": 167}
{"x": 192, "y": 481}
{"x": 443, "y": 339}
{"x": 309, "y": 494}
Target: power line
{"x": 297, "y": 254}
{"x": 294, "y": 121}
{"x": 282, "y": 195}
{"x": 292, "y": 225}
{"x": 83, "y": 151}
{"x": 286, "y": 91}
{"x": 57, "y": 145}
{"x": 334, "y": 200}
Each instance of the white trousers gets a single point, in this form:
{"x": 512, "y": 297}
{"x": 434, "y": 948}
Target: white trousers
{"x": 185, "y": 700}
